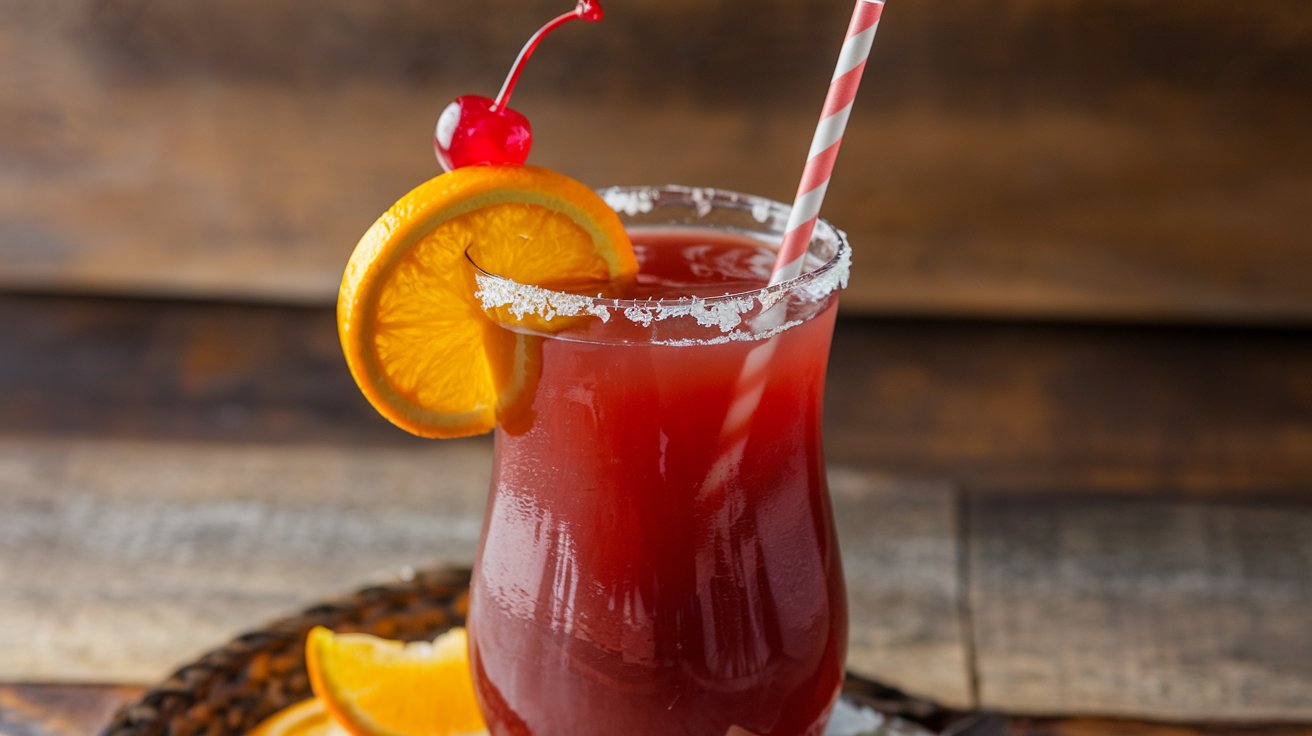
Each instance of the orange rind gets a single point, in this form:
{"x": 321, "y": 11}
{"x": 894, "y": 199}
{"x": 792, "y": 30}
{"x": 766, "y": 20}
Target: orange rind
{"x": 379, "y": 687}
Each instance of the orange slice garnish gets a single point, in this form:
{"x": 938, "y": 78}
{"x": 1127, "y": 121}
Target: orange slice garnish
{"x": 379, "y": 687}
{"x": 415, "y": 338}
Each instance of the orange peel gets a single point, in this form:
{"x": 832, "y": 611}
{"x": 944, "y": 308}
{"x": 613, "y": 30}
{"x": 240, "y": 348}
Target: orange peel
{"x": 415, "y": 338}
{"x": 380, "y": 687}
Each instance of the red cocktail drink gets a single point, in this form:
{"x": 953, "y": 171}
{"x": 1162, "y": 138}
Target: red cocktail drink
{"x": 658, "y": 554}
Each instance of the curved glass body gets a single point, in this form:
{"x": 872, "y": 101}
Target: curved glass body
{"x": 658, "y": 553}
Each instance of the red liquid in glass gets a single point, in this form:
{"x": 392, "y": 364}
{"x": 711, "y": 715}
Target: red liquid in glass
{"x": 616, "y": 591}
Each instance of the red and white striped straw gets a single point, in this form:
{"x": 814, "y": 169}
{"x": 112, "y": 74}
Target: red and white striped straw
{"x": 797, "y": 235}
{"x": 828, "y": 137}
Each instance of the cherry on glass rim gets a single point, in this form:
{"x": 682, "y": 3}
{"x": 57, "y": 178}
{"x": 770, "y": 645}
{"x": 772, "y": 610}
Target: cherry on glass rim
{"x": 478, "y": 130}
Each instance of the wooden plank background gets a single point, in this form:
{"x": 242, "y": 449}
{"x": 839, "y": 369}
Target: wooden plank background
{"x": 1047, "y": 519}
{"x": 1181, "y": 610}
{"x": 1102, "y": 520}
{"x": 63, "y": 710}
{"x": 1105, "y": 159}
{"x": 155, "y": 552}
{"x": 998, "y": 408}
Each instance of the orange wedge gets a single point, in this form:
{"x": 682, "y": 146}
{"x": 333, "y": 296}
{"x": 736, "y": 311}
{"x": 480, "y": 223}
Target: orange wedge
{"x": 415, "y": 338}
{"x": 379, "y": 687}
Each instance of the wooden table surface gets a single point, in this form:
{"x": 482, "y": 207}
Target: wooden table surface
{"x": 1093, "y": 529}
{"x": 1088, "y": 158}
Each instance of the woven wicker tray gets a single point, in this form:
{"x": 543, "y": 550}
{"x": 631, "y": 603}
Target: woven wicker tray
{"x": 231, "y": 689}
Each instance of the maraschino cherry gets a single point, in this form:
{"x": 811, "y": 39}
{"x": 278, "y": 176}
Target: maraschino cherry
{"x": 476, "y": 130}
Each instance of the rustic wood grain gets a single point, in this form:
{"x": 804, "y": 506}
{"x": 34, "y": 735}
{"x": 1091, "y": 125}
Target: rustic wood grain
{"x": 998, "y": 408}
{"x": 1151, "y": 609}
{"x": 1003, "y": 408}
{"x": 60, "y": 710}
{"x": 1019, "y": 726}
{"x": 154, "y": 552}
{"x": 142, "y": 441}
{"x": 900, "y": 546}
{"x": 107, "y": 368}
{"x": 1104, "y": 159}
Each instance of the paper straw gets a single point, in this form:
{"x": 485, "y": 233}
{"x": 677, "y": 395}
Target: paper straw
{"x": 797, "y": 236}
{"x": 828, "y": 137}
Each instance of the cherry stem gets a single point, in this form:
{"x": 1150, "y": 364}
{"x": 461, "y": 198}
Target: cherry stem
{"x": 503, "y": 97}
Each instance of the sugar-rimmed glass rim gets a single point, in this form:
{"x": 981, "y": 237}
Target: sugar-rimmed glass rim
{"x": 770, "y": 214}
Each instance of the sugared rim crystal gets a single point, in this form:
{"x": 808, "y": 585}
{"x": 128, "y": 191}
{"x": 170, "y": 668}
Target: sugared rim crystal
{"x": 725, "y": 311}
